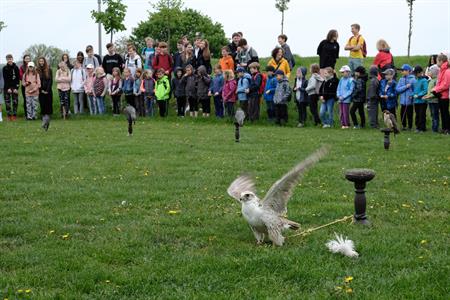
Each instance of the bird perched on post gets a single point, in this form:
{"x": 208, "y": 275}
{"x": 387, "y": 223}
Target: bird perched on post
{"x": 45, "y": 122}
{"x": 130, "y": 113}
{"x": 267, "y": 216}
{"x": 239, "y": 118}
{"x": 390, "y": 121}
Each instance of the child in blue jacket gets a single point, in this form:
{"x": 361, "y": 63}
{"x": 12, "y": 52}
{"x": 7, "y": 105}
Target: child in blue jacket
{"x": 344, "y": 94}
{"x": 405, "y": 89}
{"x": 388, "y": 93}
{"x": 243, "y": 88}
{"x": 420, "y": 105}
{"x": 216, "y": 91}
{"x": 269, "y": 92}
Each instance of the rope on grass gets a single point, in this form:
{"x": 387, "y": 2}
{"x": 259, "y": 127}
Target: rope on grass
{"x": 308, "y": 231}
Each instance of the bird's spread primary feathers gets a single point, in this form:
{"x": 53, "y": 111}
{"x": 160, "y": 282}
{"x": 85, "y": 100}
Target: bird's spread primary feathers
{"x": 267, "y": 216}
{"x": 342, "y": 245}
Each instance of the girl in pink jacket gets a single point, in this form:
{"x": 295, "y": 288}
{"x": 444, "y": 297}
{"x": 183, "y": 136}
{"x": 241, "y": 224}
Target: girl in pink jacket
{"x": 88, "y": 84}
{"x": 63, "y": 80}
{"x": 32, "y": 83}
{"x": 229, "y": 92}
{"x": 441, "y": 91}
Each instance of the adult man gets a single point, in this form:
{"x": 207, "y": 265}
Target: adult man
{"x": 356, "y": 46}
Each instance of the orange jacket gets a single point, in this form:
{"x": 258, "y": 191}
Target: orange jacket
{"x": 227, "y": 63}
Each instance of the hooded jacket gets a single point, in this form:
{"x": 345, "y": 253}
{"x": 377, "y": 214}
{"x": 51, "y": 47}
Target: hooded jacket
{"x": 420, "y": 90}
{"x": 443, "y": 80}
{"x": 383, "y": 59}
{"x": 178, "y": 87}
{"x": 345, "y": 90}
{"x": 31, "y": 89}
{"x": 328, "y": 88}
{"x": 389, "y": 90}
{"x": 406, "y": 93}
{"x": 11, "y": 76}
{"x": 282, "y": 92}
{"x": 328, "y": 53}
{"x": 229, "y": 91}
{"x": 202, "y": 81}
{"x": 270, "y": 87}
{"x": 217, "y": 84}
{"x": 190, "y": 85}
{"x": 243, "y": 84}
{"x": 282, "y": 65}
{"x": 314, "y": 84}
{"x": 372, "y": 91}
{"x": 162, "y": 89}
{"x": 255, "y": 84}
{"x": 359, "y": 93}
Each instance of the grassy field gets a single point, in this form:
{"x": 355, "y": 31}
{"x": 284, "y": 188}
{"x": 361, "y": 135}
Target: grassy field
{"x": 88, "y": 213}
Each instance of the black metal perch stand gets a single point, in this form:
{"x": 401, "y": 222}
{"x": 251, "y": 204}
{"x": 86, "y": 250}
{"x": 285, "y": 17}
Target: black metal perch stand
{"x": 359, "y": 177}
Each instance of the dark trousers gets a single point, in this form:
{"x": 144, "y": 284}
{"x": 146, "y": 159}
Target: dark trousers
{"x": 116, "y": 104}
{"x": 230, "y": 109}
{"x": 11, "y": 101}
{"x": 406, "y": 115}
{"x": 313, "y": 108}
{"x": 421, "y": 116}
{"x": 130, "y": 100}
{"x": 140, "y": 105}
{"x": 193, "y": 104}
{"x": 434, "y": 111}
{"x": 244, "y": 106}
{"x": 443, "y": 108}
{"x": 22, "y": 88}
{"x": 218, "y": 106}
{"x": 64, "y": 102}
{"x": 281, "y": 114}
{"x": 270, "y": 110}
{"x": 253, "y": 108}
{"x": 372, "y": 111}
{"x": 301, "y": 107}
{"x": 358, "y": 106}
{"x": 181, "y": 105}
{"x": 162, "y": 104}
{"x": 206, "y": 105}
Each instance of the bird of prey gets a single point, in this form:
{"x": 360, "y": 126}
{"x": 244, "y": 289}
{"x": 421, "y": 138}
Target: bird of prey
{"x": 130, "y": 113}
{"x": 390, "y": 121}
{"x": 267, "y": 216}
{"x": 45, "y": 122}
{"x": 239, "y": 118}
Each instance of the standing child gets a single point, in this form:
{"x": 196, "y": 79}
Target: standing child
{"x": 226, "y": 62}
{"x": 312, "y": 89}
{"x": 133, "y": 61}
{"x": 420, "y": 104}
{"x": 281, "y": 98}
{"x": 99, "y": 88}
{"x": 63, "y": 81}
{"x": 139, "y": 100}
{"x": 148, "y": 90}
{"x": 162, "y": 92}
{"x": 216, "y": 90}
{"x": 242, "y": 90}
{"x": 88, "y": 89}
{"x": 32, "y": 84}
{"x": 359, "y": 97}
{"x": 2, "y": 85}
{"x": 433, "y": 102}
{"x": 405, "y": 88}
{"x": 203, "y": 81}
{"x": 269, "y": 92}
{"x": 78, "y": 76}
{"x": 388, "y": 93}
{"x": 11, "y": 77}
{"x": 327, "y": 96}
{"x": 344, "y": 95}
{"x": 128, "y": 87}
{"x": 229, "y": 92}
{"x": 191, "y": 90}
{"x": 301, "y": 96}
{"x": 441, "y": 91}
{"x": 254, "y": 91}
{"x": 373, "y": 98}
{"x": 163, "y": 60}
{"x": 90, "y": 59}
{"x": 179, "y": 91}
{"x": 148, "y": 52}
{"x": 115, "y": 90}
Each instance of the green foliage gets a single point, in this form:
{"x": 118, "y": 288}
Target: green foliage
{"x": 112, "y": 17}
{"x": 2, "y": 25}
{"x": 282, "y": 5}
{"x": 170, "y": 22}
{"x": 52, "y": 54}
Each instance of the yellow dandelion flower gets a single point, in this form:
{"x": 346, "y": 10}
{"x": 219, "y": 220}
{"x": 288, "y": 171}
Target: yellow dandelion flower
{"x": 146, "y": 173}
{"x": 348, "y": 279}
{"x": 420, "y": 257}
{"x": 423, "y": 242}
{"x": 107, "y": 281}
{"x": 66, "y": 236}
{"x": 51, "y": 232}
{"x": 421, "y": 202}
{"x": 173, "y": 212}
{"x": 20, "y": 291}
{"x": 28, "y": 291}
{"x": 349, "y": 290}
{"x": 406, "y": 205}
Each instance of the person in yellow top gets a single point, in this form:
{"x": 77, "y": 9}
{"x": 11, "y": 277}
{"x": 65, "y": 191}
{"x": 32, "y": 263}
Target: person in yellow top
{"x": 356, "y": 46}
{"x": 279, "y": 62}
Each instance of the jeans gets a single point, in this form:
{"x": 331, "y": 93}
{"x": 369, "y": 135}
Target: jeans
{"x": 78, "y": 104}
{"x": 434, "y": 111}
{"x": 326, "y": 112}
{"x": 91, "y": 104}
{"x": 270, "y": 110}
{"x": 150, "y": 106}
{"x": 218, "y": 106}
{"x": 353, "y": 63}
{"x": 100, "y": 104}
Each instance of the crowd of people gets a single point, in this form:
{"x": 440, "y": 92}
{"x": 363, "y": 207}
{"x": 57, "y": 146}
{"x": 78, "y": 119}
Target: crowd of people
{"x": 149, "y": 79}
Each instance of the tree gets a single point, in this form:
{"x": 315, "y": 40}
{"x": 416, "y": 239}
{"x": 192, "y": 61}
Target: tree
{"x": 52, "y": 54}
{"x": 282, "y": 6}
{"x": 169, "y": 22}
{"x": 2, "y": 25}
{"x": 121, "y": 44}
{"x": 410, "y": 5}
{"x": 113, "y": 16}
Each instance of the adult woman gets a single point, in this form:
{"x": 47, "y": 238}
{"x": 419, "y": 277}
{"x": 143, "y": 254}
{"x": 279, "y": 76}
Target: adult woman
{"x": 26, "y": 59}
{"x": 65, "y": 58}
{"x": 279, "y": 62}
{"x": 80, "y": 57}
{"x": 384, "y": 59}
{"x": 45, "y": 92}
{"x": 328, "y": 50}
{"x": 204, "y": 58}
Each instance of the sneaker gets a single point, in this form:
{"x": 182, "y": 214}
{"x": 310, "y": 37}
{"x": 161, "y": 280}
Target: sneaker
{"x": 326, "y": 126}
{"x": 356, "y": 127}
{"x": 300, "y": 125}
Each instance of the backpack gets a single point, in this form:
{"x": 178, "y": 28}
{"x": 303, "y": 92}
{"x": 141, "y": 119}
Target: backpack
{"x": 364, "y": 46}
{"x": 262, "y": 87}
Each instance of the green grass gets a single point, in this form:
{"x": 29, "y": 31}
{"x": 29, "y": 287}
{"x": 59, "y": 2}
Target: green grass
{"x": 73, "y": 179}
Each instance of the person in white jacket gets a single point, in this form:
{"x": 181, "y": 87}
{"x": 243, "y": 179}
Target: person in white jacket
{"x": 77, "y": 86}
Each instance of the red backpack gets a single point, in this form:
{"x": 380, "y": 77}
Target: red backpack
{"x": 364, "y": 46}
{"x": 263, "y": 82}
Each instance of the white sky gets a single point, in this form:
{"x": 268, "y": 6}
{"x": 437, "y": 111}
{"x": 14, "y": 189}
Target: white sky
{"x": 67, "y": 23}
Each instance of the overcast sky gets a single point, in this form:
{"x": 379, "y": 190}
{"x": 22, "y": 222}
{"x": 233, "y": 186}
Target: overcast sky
{"x": 67, "y": 23}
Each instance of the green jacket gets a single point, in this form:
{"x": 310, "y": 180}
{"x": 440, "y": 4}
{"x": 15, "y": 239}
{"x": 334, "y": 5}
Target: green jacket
{"x": 162, "y": 89}
{"x": 431, "y": 85}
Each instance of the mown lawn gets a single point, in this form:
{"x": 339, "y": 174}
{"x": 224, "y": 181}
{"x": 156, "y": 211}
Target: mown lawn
{"x": 89, "y": 213}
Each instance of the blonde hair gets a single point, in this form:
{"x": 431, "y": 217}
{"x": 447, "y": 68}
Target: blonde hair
{"x": 382, "y": 45}
{"x": 149, "y": 39}
{"x": 228, "y": 74}
{"x": 147, "y": 74}
{"x": 254, "y": 65}
{"x": 99, "y": 71}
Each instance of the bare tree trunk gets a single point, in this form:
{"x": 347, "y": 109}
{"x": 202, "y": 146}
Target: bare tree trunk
{"x": 410, "y": 26}
{"x": 282, "y": 22}
{"x": 112, "y": 32}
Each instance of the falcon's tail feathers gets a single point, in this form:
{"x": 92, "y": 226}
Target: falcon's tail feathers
{"x": 288, "y": 224}
{"x": 342, "y": 245}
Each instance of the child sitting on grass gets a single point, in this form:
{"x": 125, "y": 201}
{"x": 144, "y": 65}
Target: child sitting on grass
{"x": 344, "y": 95}
{"x": 162, "y": 92}
{"x": 281, "y": 98}
{"x": 420, "y": 104}
{"x": 269, "y": 92}
{"x": 229, "y": 92}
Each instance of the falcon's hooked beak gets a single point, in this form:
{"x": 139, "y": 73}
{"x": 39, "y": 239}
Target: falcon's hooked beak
{"x": 246, "y": 196}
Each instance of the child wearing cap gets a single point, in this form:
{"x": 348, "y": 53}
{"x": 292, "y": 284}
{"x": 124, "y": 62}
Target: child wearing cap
{"x": 243, "y": 89}
{"x": 432, "y": 100}
{"x": 373, "y": 98}
{"x": 162, "y": 92}
{"x": 359, "y": 97}
{"x": 229, "y": 92}
{"x": 253, "y": 94}
{"x": 269, "y": 92}
{"x": 388, "y": 93}
{"x": 344, "y": 94}
{"x": 63, "y": 80}
{"x": 281, "y": 98}
{"x": 313, "y": 87}
{"x": 420, "y": 104}
{"x": 88, "y": 88}
{"x": 405, "y": 88}
{"x": 32, "y": 83}
{"x": 327, "y": 96}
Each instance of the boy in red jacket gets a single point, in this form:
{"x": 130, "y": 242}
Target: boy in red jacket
{"x": 163, "y": 60}
{"x": 441, "y": 91}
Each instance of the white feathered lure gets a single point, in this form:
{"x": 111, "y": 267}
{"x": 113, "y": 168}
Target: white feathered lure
{"x": 342, "y": 245}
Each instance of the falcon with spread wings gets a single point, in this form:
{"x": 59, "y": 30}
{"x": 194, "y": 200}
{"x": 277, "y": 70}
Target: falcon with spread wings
{"x": 267, "y": 216}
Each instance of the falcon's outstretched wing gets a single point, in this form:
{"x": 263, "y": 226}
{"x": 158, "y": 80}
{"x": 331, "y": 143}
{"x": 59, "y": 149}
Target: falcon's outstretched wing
{"x": 243, "y": 183}
{"x": 278, "y": 195}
